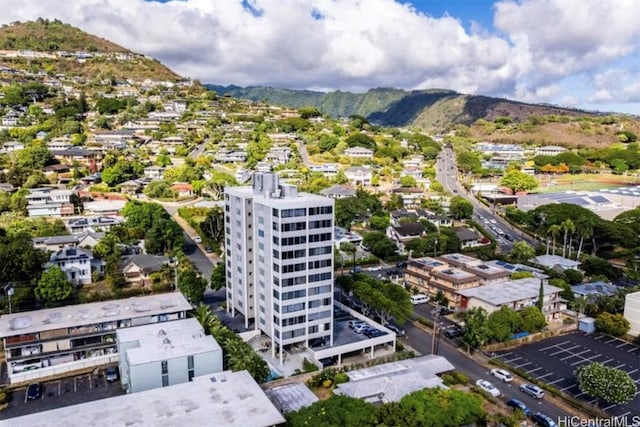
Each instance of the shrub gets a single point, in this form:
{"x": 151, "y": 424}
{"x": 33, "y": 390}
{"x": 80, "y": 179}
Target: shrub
{"x": 327, "y": 383}
{"x": 308, "y": 366}
{"x": 340, "y": 378}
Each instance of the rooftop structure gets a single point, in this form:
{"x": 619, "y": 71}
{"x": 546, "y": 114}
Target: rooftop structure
{"x": 632, "y": 312}
{"x": 232, "y": 399}
{"x": 291, "y": 397}
{"x": 83, "y": 314}
{"x": 594, "y": 289}
{"x": 390, "y": 382}
{"x": 516, "y": 294}
{"x": 605, "y": 204}
{"x": 166, "y": 340}
{"x": 166, "y": 353}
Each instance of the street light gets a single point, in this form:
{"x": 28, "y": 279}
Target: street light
{"x": 9, "y": 290}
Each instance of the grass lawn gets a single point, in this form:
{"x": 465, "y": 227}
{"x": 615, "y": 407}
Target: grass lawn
{"x": 584, "y": 182}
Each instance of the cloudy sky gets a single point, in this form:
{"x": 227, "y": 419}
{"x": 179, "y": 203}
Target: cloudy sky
{"x": 583, "y": 53}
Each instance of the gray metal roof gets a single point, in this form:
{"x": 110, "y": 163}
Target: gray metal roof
{"x": 291, "y": 397}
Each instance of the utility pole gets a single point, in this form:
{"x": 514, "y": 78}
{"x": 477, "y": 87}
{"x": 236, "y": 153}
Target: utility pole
{"x": 435, "y": 338}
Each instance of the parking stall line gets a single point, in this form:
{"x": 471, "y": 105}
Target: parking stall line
{"x": 632, "y": 349}
{"x": 555, "y": 345}
{"x": 537, "y": 369}
{"x": 90, "y": 382}
{"x": 610, "y": 406}
{"x": 620, "y": 366}
{"x": 579, "y": 361}
{"x": 606, "y": 361}
{"x": 556, "y": 381}
{"x": 599, "y": 337}
{"x": 571, "y": 386}
{"x": 545, "y": 375}
{"x": 522, "y": 365}
{"x": 611, "y": 340}
{"x": 632, "y": 372}
{"x": 564, "y": 350}
{"x": 75, "y": 384}
{"x": 624, "y": 344}
{"x": 510, "y": 361}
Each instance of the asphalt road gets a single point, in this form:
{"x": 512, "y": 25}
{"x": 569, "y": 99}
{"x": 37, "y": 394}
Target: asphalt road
{"x": 447, "y": 175}
{"x": 421, "y": 342}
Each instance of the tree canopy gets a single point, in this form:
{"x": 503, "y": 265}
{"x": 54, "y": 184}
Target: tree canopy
{"x": 609, "y": 384}
{"x": 53, "y": 286}
{"x": 518, "y": 181}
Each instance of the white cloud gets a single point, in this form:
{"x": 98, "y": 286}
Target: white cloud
{"x": 356, "y": 45}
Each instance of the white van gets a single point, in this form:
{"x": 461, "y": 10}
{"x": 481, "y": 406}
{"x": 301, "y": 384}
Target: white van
{"x": 419, "y": 299}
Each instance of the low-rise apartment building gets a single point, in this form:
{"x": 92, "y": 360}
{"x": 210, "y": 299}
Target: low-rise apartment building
{"x": 431, "y": 275}
{"x": 164, "y": 354}
{"x": 54, "y": 341}
{"x": 516, "y": 294}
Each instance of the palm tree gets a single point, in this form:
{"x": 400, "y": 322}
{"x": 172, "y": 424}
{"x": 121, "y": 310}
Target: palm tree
{"x": 205, "y": 316}
{"x": 584, "y": 226}
{"x": 569, "y": 227}
{"x": 554, "y": 230}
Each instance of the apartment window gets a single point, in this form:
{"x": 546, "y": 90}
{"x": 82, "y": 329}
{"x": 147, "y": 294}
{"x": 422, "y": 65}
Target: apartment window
{"x": 321, "y": 210}
{"x": 323, "y": 237}
{"x": 293, "y": 307}
{"x": 276, "y": 254}
{"x": 323, "y": 250}
{"x": 319, "y": 290}
{"x": 261, "y": 220}
{"x": 292, "y": 267}
{"x": 319, "y": 315}
{"x": 275, "y": 212}
{"x": 165, "y": 373}
{"x": 319, "y": 277}
{"x": 293, "y": 226}
{"x": 260, "y": 233}
{"x": 293, "y": 294}
{"x": 320, "y": 224}
{"x": 190, "y": 367}
{"x": 288, "y": 213}
{"x": 320, "y": 264}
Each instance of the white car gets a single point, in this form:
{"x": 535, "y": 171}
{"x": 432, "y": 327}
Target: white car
{"x": 197, "y": 239}
{"x": 488, "y": 387}
{"x": 502, "y": 375}
{"x": 374, "y": 268}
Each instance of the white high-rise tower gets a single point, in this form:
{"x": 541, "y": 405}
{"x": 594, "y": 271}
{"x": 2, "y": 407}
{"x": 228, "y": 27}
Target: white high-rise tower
{"x": 279, "y": 260}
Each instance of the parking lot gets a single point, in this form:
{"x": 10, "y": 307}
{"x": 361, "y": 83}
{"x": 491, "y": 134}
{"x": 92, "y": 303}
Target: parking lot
{"x": 554, "y": 360}
{"x": 63, "y": 392}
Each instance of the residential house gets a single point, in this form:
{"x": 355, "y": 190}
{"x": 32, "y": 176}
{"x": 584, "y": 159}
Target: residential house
{"x": 411, "y": 196}
{"x": 279, "y": 155}
{"x": 400, "y": 216}
{"x": 12, "y": 146}
{"x": 166, "y": 353}
{"x": 137, "y": 269}
{"x": 107, "y": 207}
{"x": 10, "y": 119}
{"x": 342, "y": 235}
{"x": 359, "y": 153}
{"x": 549, "y": 150}
{"x": 329, "y": 170}
{"x": 515, "y": 294}
{"x": 515, "y": 268}
{"x": 76, "y": 263}
{"x": 92, "y": 223}
{"x": 594, "y": 289}
{"x": 468, "y": 237}
{"x": 338, "y": 191}
{"x": 58, "y": 144}
{"x": 154, "y": 172}
{"x": 556, "y": 262}
{"x": 231, "y": 156}
{"x": 359, "y": 175}
{"x": 49, "y": 202}
{"x": 130, "y": 187}
{"x": 406, "y": 231}
{"x": 55, "y": 243}
{"x": 183, "y": 189}
{"x": 78, "y": 155}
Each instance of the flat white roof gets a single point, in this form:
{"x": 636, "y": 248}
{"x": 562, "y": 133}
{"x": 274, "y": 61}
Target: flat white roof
{"x": 166, "y": 340}
{"x": 88, "y": 314}
{"x": 230, "y": 399}
{"x": 508, "y": 292}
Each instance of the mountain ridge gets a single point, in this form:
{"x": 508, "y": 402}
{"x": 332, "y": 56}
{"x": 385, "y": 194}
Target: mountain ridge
{"x": 433, "y": 109}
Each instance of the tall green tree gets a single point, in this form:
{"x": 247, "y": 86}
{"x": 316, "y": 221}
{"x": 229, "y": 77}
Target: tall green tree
{"x": 503, "y": 323}
{"x": 476, "y": 331}
{"x": 522, "y": 252}
{"x": 53, "y": 286}
{"x": 191, "y": 285}
{"x": 337, "y": 410}
{"x": 219, "y": 276}
{"x": 532, "y": 319}
{"x": 460, "y": 208}
{"x": 609, "y": 384}
{"x": 518, "y": 181}
{"x": 613, "y": 324}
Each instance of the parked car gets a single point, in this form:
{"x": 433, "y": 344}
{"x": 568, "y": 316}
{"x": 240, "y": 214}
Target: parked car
{"x": 34, "y": 391}
{"x": 359, "y": 328}
{"x": 353, "y": 323}
{"x": 445, "y": 311}
{"x": 543, "y": 420}
{"x": 208, "y": 249}
{"x": 370, "y": 332}
{"x": 453, "y": 332}
{"x": 356, "y": 270}
{"x": 419, "y": 299}
{"x": 111, "y": 374}
{"x": 486, "y": 386}
{"x": 532, "y": 390}
{"x": 328, "y": 361}
{"x": 374, "y": 268}
{"x": 398, "y": 330}
{"x": 502, "y": 375}
{"x": 197, "y": 239}
{"x": 517, "y": 404}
